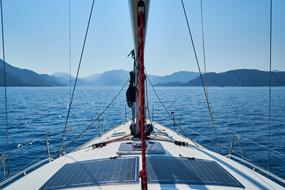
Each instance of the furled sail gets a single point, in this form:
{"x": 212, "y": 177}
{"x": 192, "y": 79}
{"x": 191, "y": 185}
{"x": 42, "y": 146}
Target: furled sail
{"x": 134, "y": 19}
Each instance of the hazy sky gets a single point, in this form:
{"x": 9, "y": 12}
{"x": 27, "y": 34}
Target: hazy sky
{"x": 236, "y": 35}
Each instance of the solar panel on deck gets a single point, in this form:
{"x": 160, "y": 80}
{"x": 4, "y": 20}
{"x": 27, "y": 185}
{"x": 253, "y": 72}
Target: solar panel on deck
{"x": 170, "y": 170}
{"x": 94, "y": 172}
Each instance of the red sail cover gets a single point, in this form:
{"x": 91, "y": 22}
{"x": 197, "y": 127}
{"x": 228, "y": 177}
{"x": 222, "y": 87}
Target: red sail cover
{"x": 139, "y": 10}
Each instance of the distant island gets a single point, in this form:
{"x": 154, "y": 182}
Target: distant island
{"x": 240, "y": 77}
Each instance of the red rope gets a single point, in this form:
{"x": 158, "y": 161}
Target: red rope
{"x": 141, "y": 97}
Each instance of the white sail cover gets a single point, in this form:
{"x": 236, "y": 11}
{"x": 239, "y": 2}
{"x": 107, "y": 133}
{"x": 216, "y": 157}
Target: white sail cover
{"x": 134, "y": 19}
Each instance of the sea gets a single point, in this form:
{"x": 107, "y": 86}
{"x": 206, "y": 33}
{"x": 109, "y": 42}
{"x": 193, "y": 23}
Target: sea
{"x": 37, "y": 115}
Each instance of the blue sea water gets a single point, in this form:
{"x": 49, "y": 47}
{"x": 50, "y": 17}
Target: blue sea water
{"x": 39, "y": 112}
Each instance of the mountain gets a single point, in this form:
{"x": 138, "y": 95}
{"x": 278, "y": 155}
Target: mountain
{"x": 109, "y": 78}
{"x": 241, "y": 77}
{"x": 24, "y": 77}
{"x": 119, "y": 77}
{"x": 93, "y": 77}
{"x": 174, "y": 78}
{"x": 63, "y": 78}
{"x": 171, "y": 84}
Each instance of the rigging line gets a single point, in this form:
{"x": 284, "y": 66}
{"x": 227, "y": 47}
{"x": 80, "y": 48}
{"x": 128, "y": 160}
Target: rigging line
{"x": 26, "y": 144}
{"x": 147, "y": 102}
{"x": 5, "y": 84}
{"x": 254, "y": 142}
{"x": 210, "y": 139}
{"x": 77, "y": 73}
{"x": 32, "y": 142}
{"x": 170, "y": 114}
{"x": 201, "y": 77}
{"x": 33, "y": 162}
{"x": 69, "y": 44}
{"x": 270, "y": 89}
{"x": 203, "y": 45}
{"x": 96, "y": 119}
{"x": 160, "y": 101}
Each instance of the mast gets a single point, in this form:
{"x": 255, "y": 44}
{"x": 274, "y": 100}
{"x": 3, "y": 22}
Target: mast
{"x": 139, "y": 10}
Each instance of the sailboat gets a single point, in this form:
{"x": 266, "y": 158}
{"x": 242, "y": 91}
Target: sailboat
{"x": 140, "y": 153}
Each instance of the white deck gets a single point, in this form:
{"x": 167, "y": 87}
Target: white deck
{"x": 247, "y": 177}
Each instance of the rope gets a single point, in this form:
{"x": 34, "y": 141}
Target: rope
{"x": 203, "y": 45}
{"x": 202, "y": 81}
{"x": 5, "y": 85}
{"x": 270, "y": 72}
{"x": 77, "y": 73}
{"x": 141, "y": 91}
{"x": 96, "y": 119}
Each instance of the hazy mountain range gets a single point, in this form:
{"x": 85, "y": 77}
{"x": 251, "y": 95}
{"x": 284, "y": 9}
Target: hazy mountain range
{"x": 24, "y": 77}
{"x": 241, "y": 77}
{"x": 119, "y": 77}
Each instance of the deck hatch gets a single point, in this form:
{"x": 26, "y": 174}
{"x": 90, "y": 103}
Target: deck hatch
{"x": 170, "y": 170}
{"x": 94, "y": 172}
{"x": 127, "y": 148}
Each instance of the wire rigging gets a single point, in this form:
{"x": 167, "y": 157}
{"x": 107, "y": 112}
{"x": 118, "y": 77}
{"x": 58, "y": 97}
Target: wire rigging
{"x": 200, "y": 73}
{"x": 97, "y": 118}
{"x": 270, "y": 88}
{"x": 170, "y": 114}
{"x": 256, "y": 143}
{"x": 5, "y": 84}
{"x": 203, "y": 45}
{"x": 147, "y": 102}
{"x": 77, "y": 73}
{"x": 160, "y": 101}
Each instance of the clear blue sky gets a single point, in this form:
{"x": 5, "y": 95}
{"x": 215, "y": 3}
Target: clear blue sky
{"x": 236, "y": 35}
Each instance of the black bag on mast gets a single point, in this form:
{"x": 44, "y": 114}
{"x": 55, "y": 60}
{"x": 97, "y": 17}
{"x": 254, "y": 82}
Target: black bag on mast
{"x": 131, "y": 92}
